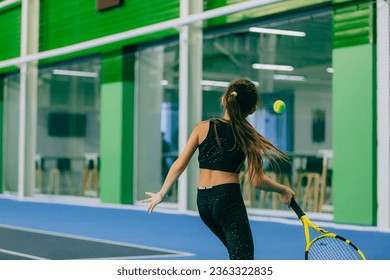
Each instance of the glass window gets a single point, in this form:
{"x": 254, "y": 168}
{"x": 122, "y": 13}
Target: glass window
{"x": 293, "y": 67}
{"x": 157, "y": 117}
{"x": 68, "y": 129}
{"x": 11, "y": 133}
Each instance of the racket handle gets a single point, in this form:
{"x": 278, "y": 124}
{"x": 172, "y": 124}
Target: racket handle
{"x": 294, "y": 205}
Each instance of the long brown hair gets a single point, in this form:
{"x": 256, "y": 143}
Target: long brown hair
{"x": 239, "y": 100}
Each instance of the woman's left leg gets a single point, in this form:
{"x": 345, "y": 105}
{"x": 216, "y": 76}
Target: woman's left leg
{"x": 232, "y": 216}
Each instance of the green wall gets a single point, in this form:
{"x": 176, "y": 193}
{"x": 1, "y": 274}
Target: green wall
{"x": 69, "y": 22}
{"x": 354, "y": 144}
{"x": 352, "y": 24}
{"x": 10, "y": 34}
{"x": 116, "y": 131}
{"x": 354, "y": 113}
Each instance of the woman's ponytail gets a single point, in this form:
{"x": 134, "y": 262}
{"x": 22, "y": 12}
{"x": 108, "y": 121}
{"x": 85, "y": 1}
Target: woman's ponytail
{"x": 240, "y": 100}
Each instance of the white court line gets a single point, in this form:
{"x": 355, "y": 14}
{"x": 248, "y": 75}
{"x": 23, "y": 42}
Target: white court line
{"x": 138, "y": 257}
{"x": 21, "y": 254}
{"x": 172, "y": 252}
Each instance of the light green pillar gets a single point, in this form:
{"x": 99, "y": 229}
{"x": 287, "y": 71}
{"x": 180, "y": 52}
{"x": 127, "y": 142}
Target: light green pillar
{"x": 354, "y": 136}
{"x": 117, "y": 126}
{"x": 354, "y": 116}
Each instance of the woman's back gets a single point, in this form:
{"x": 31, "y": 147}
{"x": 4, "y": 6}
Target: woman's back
{"x": 220, "y": 159}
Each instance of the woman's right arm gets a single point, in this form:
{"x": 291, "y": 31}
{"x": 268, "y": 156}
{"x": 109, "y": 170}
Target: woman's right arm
{"x": 175, "y": 171}
{"x": 267, "y": 184}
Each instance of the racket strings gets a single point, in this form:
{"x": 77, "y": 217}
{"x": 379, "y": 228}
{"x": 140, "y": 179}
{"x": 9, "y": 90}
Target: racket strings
{"x": 332, "y": 248}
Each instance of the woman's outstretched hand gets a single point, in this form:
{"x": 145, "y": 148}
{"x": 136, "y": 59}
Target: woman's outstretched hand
{"x": 155, "y": 198}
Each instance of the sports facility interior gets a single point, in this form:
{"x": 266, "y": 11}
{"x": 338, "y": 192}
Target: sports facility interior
{"x": 98, "y": 99}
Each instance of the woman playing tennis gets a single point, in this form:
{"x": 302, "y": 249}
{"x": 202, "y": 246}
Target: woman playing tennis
{"x": 224, "y": 144}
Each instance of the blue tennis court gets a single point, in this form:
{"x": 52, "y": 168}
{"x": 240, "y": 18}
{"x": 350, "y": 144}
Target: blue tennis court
{"x": 38, "y": 230}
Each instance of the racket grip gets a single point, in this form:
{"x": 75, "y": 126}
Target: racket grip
{"x": 294, "y": 205}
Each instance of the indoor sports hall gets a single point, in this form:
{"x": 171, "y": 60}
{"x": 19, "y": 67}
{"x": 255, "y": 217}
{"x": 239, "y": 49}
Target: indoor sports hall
{"x": 99, "y": 97}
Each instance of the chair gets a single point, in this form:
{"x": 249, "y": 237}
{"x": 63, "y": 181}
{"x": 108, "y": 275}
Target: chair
{"x": 265, "y": 197}
{"x": 281, "y": 172}
{"x": 39, "y": 170}
{"x": 326, "y": 198}
{"x": 90, "y": 178}
{"x": 61, "y": 171}
{"x": 312, "y": 183}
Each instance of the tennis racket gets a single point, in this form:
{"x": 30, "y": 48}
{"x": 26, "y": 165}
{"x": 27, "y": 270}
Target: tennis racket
{"x": 328, "y": 245}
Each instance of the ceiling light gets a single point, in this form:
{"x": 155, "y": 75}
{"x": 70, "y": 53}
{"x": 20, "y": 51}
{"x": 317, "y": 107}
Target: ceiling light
{"x": 289, "y": 78}
{"x": 214, "y": 83}
{"x": 277, "y": 31}
{"x": 164, "y": 82}
{"x": 220, "y": 83}
{"x": 75, "y": 73}
{"x": 272, "y": 67}
{"x": 330, "y": 70}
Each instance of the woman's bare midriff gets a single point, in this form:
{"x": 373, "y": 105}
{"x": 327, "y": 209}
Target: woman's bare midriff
{"x": 210, "y": 178}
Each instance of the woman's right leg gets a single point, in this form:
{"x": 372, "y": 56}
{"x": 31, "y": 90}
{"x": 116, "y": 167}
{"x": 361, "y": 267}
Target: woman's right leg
{"x": 231, "y": 214}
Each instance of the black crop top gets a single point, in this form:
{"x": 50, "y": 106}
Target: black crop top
{"x": 215, "y": 157}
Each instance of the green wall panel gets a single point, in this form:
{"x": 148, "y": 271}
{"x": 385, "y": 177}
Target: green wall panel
{"x": 10, "y": 32}
{"x": 68, "y": 22}
{"x": 354, "y": 142}
{"x": 110, "y": 144}
{"x": 352, "y": 24}
{"x": 128, "y": 129}
{"x": 117, "y": 122}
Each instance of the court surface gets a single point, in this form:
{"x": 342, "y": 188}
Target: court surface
{"x": 37, "y": 230}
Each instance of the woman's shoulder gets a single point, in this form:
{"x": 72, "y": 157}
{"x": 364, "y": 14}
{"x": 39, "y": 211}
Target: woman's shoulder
{"x": 213, "y": 120}
{"x": 206, "y": 123}
{"x": 201, "y": 130}
{"x": 202, "y": 125}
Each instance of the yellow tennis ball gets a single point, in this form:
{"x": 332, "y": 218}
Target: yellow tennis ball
{"x": 279, "y": 106}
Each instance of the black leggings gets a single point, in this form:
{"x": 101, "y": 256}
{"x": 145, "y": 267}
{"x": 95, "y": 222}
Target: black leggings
{"x": 222, "y": 209}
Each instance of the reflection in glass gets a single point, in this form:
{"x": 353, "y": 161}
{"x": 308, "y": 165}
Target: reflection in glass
{"x": 157, "y": 111}
{"x": 11, "y": 133}
{"x": 68, "y": 129}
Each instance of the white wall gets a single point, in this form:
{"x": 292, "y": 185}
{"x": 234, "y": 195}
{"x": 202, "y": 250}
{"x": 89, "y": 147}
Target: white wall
{"x": 383, "y": 115}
